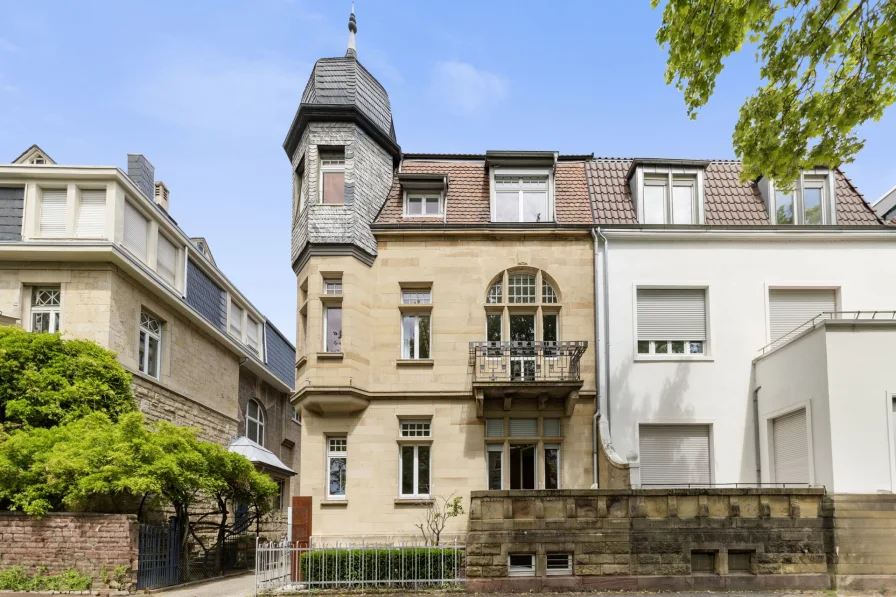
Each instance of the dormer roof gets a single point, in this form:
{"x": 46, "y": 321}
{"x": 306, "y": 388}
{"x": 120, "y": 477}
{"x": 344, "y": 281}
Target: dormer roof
{"x": 32, "y": 153}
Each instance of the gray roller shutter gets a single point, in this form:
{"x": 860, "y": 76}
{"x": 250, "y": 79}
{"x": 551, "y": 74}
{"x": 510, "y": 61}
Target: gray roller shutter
{"x": 671, "y": 314}
{"x": 791, "y": 308}
{"x": 673, "y": 455}
{"x": 135, "y": 230}
{"x": 523, "y": 427}
{"x": 791, "y": 447}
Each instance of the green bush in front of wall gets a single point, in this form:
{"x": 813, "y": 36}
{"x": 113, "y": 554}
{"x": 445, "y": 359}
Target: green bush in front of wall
{"x": 408, "y": 564}
{"x": 16, "y": 579}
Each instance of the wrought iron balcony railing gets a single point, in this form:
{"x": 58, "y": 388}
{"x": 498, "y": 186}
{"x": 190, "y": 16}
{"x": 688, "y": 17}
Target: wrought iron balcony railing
{"x": 526, "y": 361}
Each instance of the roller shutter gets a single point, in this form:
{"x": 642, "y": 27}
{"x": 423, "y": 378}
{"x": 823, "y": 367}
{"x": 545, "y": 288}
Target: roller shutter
{"x": 791, "y": 448}
{"x": 135, "y": 231}
{"x": 789, "y": 309}
{"x": 166, "y": 261}
{"x": 52, "y": 212}
{"x": 674, "y": 455}
{"x": 671, "y": 314}
{"x": 92, "y": 214}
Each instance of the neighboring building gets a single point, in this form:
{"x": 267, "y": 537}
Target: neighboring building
{"x": 453, "y": 311}
{"x": 886, "y": 206}
{"x": 92, "y": 252}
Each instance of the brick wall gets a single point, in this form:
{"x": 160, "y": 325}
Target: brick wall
{"x": 58, "y": 541}
{"x": 160, "y": 403}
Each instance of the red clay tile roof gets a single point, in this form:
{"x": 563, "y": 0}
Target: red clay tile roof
{"x": 727, "y": 201}
{"x": 468, "y": 193}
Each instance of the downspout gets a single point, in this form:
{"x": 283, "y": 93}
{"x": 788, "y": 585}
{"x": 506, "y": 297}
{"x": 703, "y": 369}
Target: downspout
{"x": 594, "y": 419}
{"x": 756, "y": 431}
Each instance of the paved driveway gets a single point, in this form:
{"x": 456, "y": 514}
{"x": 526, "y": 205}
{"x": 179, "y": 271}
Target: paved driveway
{"x": 232, "y": 586}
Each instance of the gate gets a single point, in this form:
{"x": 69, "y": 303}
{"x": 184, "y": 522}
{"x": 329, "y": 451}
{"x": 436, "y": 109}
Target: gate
{"x": 301, "y": 529}
{"x": 158, "y": 556}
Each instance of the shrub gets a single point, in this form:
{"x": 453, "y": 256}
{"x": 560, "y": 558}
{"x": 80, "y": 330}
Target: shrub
{"x": 379, "y": 564}
{"x": 15, "y": 579}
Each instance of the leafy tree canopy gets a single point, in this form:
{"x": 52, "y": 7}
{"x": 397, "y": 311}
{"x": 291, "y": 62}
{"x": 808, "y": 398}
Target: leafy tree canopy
{"x": 46, "y": 380}
{"x": 827, "y": 67}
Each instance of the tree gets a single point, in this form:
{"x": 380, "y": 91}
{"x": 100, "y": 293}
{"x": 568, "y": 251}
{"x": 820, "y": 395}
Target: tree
{"x": 46, "y": 380}
{"x": 437, "y": 515}
{"x": 827, "y": 67}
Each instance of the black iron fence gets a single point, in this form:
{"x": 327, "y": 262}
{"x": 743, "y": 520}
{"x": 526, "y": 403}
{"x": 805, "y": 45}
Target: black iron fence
{"x": 158, "y": 556}
{"x": 208, "y": 558}
{"x": 527, "y": 361}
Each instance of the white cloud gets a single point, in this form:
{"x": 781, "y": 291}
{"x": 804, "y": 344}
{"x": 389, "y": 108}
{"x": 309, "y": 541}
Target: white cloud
{"x": 206, "y": 90}
{"x": 466, "y": 88}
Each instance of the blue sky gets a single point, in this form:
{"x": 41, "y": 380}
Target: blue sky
{"x": 208, "y": 95}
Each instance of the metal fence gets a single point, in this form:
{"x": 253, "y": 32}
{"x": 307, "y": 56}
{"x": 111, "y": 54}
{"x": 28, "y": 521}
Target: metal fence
{"x": 209, "y": 560}
{"x": 350, "y": 566}
{"x": 158, "y": 556}
{"x": 862, "y": 316}
{"x": 531, "y": 361}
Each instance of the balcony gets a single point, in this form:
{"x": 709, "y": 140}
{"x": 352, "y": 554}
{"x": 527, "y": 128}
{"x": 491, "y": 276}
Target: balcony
{"x": 530, "y": 368}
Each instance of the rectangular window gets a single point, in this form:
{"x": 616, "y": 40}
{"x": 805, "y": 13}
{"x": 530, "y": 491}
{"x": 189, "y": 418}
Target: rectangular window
{"x": 415, "y": 337}
{"x": 494, "y": 428}
{"x": 522, "y": 199}
{"x": 252, "y": 336}
{"x": 281, "y": 494}
{"x": 804, "y": 204}
{"x": 521, "y": 564}
{"x": 423, "y": 205}
{"x": 671, "y": 321}
{"x": 53, "y": 213}
{"x": 45, "y": 310}
{"x": 813, "y": 201}
{"x": 415, "y": 428}
{"x": 333, "y": 286}
{"x": 415, "y": 471}
{"x": 703, "y": 562}
{"x": 655, "y": 200}
{"x": 304, "y": 319}
{"x": 495, "y": 466}
{"x": 740, "y": 562}
{"x": 298, "y": 199}
{"x": 549, "y": 333}
{"x": 416, "y": 297}
{"x": 683, "y": 199}
{"x": 493, "y": 327}
{"x": 236, "y": 321}
{"x": 333, "y": 329}
{"x": 523, "y": 427}
{"x": 91, "y": 214}
{"x": 336, "y": 467}
{"x": 136, "y": 231}
{"x": 790, "y": 309}
{"x": 522, "y": 288}
{"x": 332, "y": 178}
{"x": 784, "y": 208}
{"x": 150, "y": 344}
{"x": 550, "y": 427}
{"x": 559, "y": 564}
{"x": 552, "y": 466}
{"x": 166, "y": 260}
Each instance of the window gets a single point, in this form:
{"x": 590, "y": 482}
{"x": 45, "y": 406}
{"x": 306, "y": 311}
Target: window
{"x": 333, "y": 329}
{"x": 416, "y": 297}
{"x": 415, "y": 336}
{"x": 703, "y": 562}
{"x": 496, "y": 293}
{"x": 523, "y": 427}
{"x": 521, "y": 199}
{"x": 494, "y": 428}
{"x": 136, "y": 230}
{"x": 671, "y": 321}
{"x": 38, "y": 161}
{"x": 53, "y": 212}
{"x": 495, "y": 465}
{"x": 493, "y": 327}
{"x": 236, "y": 321}
{"x": 255, "y": 422}
{"x": 522, "y": 288}
{"x": 550, "y": 427}
{"x": 791, "y": 308}
{"x": 252, "y": 336}
{"x": 663, "y": 207}
{"x": 549, "y": 333}
{"x": 415, "y": 428}
{"x": 166, "y": 260}
{"x": 336, "y": 467}
{"x": 150, "y": 344}
{"x": 423, "y": 205}
{"x": 674, "y": 455}
{"x": 813, "y": 201}
{"x": 333, "y": 286}
{"x": 281, "y": 494}
{"x": 45, "y": 306}
{"x": 521, "y": 564}
{"x": 548, "y": 295}
{"x": 332, "y": 177}
{"x": 655, "y": 200}
{"x": 558, "y": 564}
{"x": 740, "y": 562}
{"x": 415, "y": 471}
{"x": 784, "y": 208}
{"x": 298, "y": 200}
{"x": 296, "y": 416}
{"x": 91, "y": 214}
{"x": 805, "y": 204}
{"x": 552, "y": 466}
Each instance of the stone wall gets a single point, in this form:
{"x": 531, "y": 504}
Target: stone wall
{"x": 60, "y": 540}
{"x": 650, "y": 539}
{"x": 863, "y": 542}
{"x": 159, "y": 403}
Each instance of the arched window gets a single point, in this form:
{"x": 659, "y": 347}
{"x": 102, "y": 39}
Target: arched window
{"x": 548, "y": 294}
{"x": 496, "y": 293}
{"x": 255, "y": 422}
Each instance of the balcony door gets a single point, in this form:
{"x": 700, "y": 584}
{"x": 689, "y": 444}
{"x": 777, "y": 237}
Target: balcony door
{"x": 522, "y": 352}
{"x": 522, "y": 466}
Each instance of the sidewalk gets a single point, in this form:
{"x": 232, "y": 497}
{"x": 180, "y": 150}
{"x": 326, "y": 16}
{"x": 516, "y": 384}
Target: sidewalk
{"x": 242, "y": 585}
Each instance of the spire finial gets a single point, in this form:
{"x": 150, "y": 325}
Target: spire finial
{"x": 352, "y": 29}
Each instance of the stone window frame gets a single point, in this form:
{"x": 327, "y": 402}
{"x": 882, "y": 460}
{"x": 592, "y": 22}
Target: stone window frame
{"x": 332, "y": 454}
{"x": 540, "y": 440}
{"x": 498, "y": 288}
{"x": 721, "y": 551}
{"x": 415, "y": 431}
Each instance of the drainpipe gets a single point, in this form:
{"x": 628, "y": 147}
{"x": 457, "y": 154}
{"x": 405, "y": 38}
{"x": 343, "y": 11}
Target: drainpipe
{"x": 594, "y": 419}
{"x": 756, "y": 431}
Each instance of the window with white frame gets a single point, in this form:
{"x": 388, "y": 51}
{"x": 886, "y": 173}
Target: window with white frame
{"x": 548, "y": 294}
{"x": 558, "y": 564}
{"x": 415, "y": 336}
{"x": 423, "y": 204}
{"x": 333, "y": 329}
{"x": 495, "y": 293}
{"x": 521, "y": 564}
{"x": 45, "y": 309}
{"x": 415, "y": 460}
{"x": 253, "y": 336}
{"x": 336, "y": 467}
{"x": 255, "y": 422}
{"x": 53, "y": 212}
{"x": 332, "y": 285}
{"x": 495, "y": 464}
{"x": 416, "y": 297}
{"x": 521, "y": 288}
{"x": 671, "y": 321}
{"x": 522, "y": 199}
{"x": 150, "y": 345}
{"x": 664, "y": 207}
{"x": 236, "y": 321}
{"x": 296, "y": 416}
{"x": 332, "y": 177}
{"x": 806, "y": 203}
{"x": 91, "y": 222}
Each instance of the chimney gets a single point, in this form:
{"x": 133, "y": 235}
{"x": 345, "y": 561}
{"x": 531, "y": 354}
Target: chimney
{"x": 142, "y": 173}
{"x": 162, "y": 195}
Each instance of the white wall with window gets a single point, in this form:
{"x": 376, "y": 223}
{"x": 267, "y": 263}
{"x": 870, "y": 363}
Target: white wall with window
{"x": 414, "y": 458}
{"x": 671, "y": 322}
{"x": 150, "y": 348}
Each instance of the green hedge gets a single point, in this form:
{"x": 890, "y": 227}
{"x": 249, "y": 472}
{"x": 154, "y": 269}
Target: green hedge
{"x": 377, "y": 564}
{"x": 16, "y": 579}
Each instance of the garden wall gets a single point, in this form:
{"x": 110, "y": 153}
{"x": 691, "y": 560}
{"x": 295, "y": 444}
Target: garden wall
{"x": 84, "y": 541}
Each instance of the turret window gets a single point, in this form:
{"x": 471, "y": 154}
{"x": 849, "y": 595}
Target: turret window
{"x": 332, "y": 177}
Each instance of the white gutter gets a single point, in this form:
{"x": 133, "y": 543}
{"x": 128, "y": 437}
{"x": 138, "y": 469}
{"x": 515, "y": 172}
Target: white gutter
{"x": 776, "y": 234}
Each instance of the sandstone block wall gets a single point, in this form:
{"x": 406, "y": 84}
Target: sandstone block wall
{"x": 58, "y": 541}
{"x": 159, "y": 403}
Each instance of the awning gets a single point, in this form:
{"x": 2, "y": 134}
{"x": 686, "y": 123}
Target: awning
{"x": 259, "y": 455}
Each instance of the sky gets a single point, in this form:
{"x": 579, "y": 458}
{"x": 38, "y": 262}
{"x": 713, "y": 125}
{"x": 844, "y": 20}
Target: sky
{"x": 207, "y": 92}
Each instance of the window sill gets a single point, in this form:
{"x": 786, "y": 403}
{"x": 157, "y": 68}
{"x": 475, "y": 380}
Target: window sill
{"x": 420, "y": 501}
{"x": 415, "y": 441}
{"x": 301, "y": 362}
{"x": 331, "y": 299}
{"x": 673, "y": 358}
{"x": 415, "y": 308}
{"x": 333, "y": 503}
{"x": 414, "y": 363}
{"x": 330, "y": 356}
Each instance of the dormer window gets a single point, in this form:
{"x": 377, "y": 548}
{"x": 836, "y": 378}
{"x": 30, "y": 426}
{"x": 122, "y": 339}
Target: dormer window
{"x": 810, "y": 202}
{"x": 420, "y": 204}
{"x": 520, "y": 198}
{"x": 332, "y": 177}
{"x": 667, "y": 193}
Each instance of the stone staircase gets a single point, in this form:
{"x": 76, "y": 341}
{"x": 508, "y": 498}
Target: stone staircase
{"x": 862, "y": 554}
